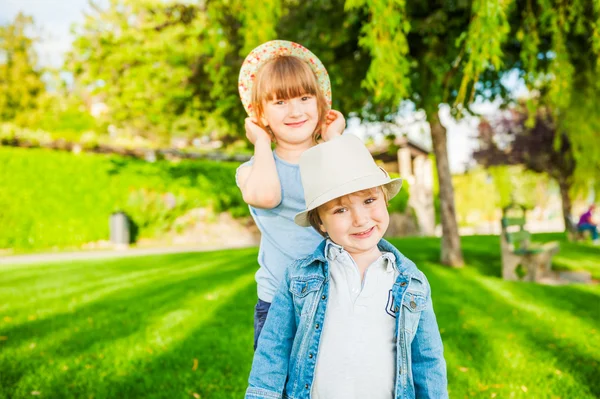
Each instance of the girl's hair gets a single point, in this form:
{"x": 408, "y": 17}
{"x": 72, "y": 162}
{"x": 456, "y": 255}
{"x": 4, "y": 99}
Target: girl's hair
{"x": 286, "y": 77}
{"x": 315, "y": 220}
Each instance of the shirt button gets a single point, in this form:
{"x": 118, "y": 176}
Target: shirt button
{"x": 317, "y": 326}
{"x": 306, "y": 386}
{"x": 413, "y": 304}
{"x": 324, "y": 296}
{"x": 310, "y": 355}
{"x": 399, "y": 370}
{"x": 402, "y": 284}
{"x": 396, "y": 309}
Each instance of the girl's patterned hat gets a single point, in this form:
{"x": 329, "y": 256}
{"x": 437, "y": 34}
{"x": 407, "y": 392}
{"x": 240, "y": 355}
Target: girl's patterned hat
{"x": 269, "y": 50}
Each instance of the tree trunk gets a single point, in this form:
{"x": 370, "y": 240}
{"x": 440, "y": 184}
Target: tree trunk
{"x": 565, "y": 186}
{"x": 451, "y": 253}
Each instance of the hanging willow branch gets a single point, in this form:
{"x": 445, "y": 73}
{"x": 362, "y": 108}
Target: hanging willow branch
{"x": 384, "y": 36}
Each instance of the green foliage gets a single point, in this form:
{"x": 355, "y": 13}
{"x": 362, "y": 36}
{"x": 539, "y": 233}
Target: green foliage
{"x": 399, "y": 203}
{"x": 488, "y": 30}
{"x": 180, "y": 325}
{"x": 482, "y": 193}
{"x": 20, "y": 80}
{"x": 63, "y": 115}
{"x": 56, "y": 199}
{"x": 384, "y": 35}
{"x": 160, "y": 67}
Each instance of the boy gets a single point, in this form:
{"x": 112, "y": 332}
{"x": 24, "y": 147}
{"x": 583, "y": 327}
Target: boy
{"x": 355, "y": 318}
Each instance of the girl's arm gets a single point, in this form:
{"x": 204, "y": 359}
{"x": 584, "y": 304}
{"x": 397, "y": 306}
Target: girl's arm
{"x": 428, "y": 364}
{"x": 272, "y": 357}
{"x": 259, "y": 181}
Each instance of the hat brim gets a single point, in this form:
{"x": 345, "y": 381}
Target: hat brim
{"x": 392, "y": 187}
{"x": 272, "y": 49}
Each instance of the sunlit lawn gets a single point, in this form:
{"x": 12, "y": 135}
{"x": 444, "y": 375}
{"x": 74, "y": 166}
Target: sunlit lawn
{"x": 180, "y": 326}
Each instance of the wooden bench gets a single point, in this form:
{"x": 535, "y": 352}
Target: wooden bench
{"x": 522, "y": 259}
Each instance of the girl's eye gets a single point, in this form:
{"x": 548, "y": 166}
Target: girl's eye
{"x": 370, "y": 200}
{"x": 306, "y": 98}
{"x": 279, "y": 102}
{"x": 340, "y": 210}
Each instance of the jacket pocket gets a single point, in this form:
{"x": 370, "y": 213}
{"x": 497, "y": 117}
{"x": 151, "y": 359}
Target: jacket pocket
{"x": 304, "y": 291}
{"x": 412, "y": 306}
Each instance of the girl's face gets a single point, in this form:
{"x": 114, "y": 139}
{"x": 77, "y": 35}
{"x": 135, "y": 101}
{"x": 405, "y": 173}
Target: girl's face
{"x": 356, "y": 221}
{"x": 292, "y": 121}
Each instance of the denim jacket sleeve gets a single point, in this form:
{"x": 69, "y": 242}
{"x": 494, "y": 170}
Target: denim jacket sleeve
{"x": 428, "y": 364}
{"x": 272, "y": 357}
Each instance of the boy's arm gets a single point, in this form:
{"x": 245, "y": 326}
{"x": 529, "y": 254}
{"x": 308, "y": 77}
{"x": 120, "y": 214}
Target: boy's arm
{"x": 428, "y": 364}
{"x": 259, "y": 181}
{"x": 272, "y": 357}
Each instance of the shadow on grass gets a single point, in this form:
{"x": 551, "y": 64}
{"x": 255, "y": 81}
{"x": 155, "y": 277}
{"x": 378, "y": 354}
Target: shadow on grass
{"x": 222, "y": 348}
{"x": 481, "y": 326}
{"x": 116, "y": 316}
{"x": 103, "y": 277}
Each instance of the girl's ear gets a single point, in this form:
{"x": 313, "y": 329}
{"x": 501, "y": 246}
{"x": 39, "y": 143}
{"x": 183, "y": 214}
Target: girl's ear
{"x": 322, "y": 228}
{"x": 264, "y": 121}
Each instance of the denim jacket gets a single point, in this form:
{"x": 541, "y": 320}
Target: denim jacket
{"x": 284, "y": 363}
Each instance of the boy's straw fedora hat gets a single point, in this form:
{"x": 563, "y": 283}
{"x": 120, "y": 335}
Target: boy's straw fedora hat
{"x": 273, "y": 49}
{"x": 339, "y": 167}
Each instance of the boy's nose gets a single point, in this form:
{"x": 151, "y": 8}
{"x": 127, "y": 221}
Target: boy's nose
{"x": 359, "y": 218}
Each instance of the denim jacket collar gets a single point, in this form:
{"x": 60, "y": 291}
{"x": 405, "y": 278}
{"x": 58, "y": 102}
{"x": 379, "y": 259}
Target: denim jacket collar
{"x": 402, "y": 263}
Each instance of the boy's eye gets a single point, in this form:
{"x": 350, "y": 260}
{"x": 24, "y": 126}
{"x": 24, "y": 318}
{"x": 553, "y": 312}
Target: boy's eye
{"x": 370, "y": 200}
{"x": 340, "y": 210}
{"x": 278, "y": 102}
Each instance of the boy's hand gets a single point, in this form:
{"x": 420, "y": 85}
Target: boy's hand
{"x": 334, "y": 125}
{"x": 254, "y": 132}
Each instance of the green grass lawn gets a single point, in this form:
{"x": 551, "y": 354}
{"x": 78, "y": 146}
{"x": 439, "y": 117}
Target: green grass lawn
{"x": 180, "y": 326}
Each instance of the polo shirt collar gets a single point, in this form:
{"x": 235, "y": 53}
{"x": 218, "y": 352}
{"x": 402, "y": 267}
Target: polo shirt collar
{"x": 333, "y": 250}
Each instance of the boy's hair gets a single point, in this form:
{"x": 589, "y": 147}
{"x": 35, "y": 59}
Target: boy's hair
{"x": 283, "y": 78}
{"x": 315, "y": 220}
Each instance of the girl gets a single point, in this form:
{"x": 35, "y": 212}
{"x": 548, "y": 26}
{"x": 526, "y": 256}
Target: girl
{"x": 286, "y": 91}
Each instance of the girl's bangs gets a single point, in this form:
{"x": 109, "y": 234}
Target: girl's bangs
{"x": 287, "y": 80}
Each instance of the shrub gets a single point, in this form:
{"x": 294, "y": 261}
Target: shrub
{"x": 58, "y": 199}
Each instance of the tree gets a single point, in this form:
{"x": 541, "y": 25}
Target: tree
{"x": 435, "y": 52}
{"x": 172, "y": 66}
{"x": 543, "y": 148}
{"x": 20, "y": 79}
{"x": 166, "y": 68}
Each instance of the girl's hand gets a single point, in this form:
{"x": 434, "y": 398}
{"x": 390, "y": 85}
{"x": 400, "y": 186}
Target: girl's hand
{"x": 334, "y": 125}
{"x": 255, "y": 133}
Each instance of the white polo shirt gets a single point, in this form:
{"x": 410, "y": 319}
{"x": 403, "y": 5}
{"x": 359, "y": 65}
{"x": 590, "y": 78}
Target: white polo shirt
{"x": 357, "y": 352}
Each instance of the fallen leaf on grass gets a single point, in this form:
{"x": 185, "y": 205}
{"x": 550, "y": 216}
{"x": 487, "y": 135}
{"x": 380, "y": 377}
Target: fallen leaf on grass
{"x": 35, "y": 392}
{"x": 195, "y": 395}
{"x": 494, "y": 394}
{"x": 523, "y": 388}
{"x": 463, "y": 369}
{"x": 195, "y": 366}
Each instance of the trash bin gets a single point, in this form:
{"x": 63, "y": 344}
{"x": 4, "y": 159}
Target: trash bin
{"x": 119, "y": 225}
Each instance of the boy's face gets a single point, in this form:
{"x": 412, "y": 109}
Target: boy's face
{"x": 356, "y": 221}
{"x": 292, "y": 121}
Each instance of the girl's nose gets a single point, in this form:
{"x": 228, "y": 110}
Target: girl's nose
{"x": 294, "y": 108}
